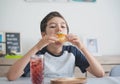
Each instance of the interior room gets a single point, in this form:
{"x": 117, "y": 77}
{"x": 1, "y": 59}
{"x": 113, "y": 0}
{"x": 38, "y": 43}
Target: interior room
{"x": 90, "y": 20}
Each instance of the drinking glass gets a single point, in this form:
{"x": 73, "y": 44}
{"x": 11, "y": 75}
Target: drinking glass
{"x": 37, "y": 69}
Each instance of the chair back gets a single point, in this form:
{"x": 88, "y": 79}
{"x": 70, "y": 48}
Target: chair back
{"x": 115, "y": 71}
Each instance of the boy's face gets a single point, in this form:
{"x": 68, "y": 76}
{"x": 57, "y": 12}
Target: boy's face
{"x": 56, "y": 25}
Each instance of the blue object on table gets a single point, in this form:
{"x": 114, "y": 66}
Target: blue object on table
{"x": 115, "y": 71}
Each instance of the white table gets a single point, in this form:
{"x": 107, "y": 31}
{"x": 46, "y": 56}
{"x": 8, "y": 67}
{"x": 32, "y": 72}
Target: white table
{"x": 104, "y": 80}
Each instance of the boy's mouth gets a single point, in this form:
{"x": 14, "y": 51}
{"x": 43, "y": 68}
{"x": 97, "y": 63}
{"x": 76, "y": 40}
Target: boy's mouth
{"x": 58, "y": 43}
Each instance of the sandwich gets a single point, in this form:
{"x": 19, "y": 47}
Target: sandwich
{"x": 61, "y": 37}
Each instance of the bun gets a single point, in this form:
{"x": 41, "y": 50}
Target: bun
{"x": 61, "y": 37}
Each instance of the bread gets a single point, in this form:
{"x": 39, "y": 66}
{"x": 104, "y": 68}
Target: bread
{"x": 68, "y": 81}
{"x": 61, "y": 37}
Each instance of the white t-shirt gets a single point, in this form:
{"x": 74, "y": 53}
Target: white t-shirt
{"x": 62, "y": 65}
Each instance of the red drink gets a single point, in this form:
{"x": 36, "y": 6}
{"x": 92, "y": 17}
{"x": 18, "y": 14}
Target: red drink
{"x": 36, "y": 69}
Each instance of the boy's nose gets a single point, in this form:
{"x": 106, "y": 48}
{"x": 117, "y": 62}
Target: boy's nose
{"x": 59, "y": 28}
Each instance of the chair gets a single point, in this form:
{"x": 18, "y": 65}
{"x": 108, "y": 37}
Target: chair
{"x": 115, "y": 71}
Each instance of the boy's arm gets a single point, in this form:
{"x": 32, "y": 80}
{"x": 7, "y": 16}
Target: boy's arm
{"x": 95, "y": 67}
{"x": 17, "y": 69}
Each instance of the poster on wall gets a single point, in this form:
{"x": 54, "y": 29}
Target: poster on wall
{"x": 2, "y": 49}
{"x": 13, "y": 43}
{"x": 83, "y": 0}
{"x": 58, "y": 1}
{"x": 93, "y": 45}
{"x": 2, "y": 37}
{"x": 2, "y": 44}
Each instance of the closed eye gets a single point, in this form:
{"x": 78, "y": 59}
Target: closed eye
{"x": 63, "y": 27}
{"x": 52, "y": 27}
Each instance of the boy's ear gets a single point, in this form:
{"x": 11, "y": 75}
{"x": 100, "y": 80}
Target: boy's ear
{"x": 43, "y": 34}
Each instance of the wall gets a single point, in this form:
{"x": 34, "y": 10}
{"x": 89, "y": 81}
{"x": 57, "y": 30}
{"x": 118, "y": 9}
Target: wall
{"x": 100, "y": 19}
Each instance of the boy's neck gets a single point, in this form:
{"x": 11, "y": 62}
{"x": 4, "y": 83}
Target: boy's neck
{"x": 55, "y": 51}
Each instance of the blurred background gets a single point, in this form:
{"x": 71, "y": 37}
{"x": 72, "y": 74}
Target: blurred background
{"x": 99, "y": 19}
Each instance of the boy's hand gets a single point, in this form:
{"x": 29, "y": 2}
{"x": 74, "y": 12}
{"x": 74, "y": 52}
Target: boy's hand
{"x": 74, "y": 39}
{"x": 47, "y": 39}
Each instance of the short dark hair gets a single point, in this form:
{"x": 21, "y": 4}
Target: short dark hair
{"x": 48, "y": 17}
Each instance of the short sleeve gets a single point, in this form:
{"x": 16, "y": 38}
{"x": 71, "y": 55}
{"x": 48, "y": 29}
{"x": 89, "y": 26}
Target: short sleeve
{"x": 81, "y": 61}
{"x": 26, "y": 71}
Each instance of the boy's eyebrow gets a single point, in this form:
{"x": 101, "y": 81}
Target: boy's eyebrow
{"x": 56, "y": 23}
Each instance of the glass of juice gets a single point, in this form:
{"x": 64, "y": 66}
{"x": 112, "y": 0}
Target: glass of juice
{"x": 37, "y": 69}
